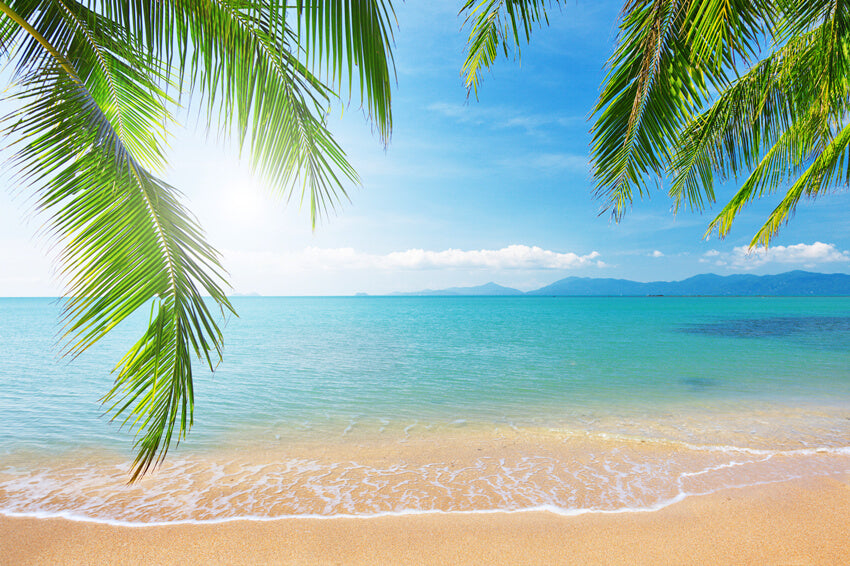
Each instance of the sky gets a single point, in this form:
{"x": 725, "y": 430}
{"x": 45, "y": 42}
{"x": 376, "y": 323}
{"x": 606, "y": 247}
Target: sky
{"x": 467, "y": 191}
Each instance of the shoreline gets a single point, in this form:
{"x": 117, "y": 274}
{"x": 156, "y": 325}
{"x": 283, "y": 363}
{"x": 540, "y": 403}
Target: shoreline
{"x": 792, "y": 522}
{"x": 468, "y": 471}
{"x": 441, "y": 472}
{"x": 65, "y": 516}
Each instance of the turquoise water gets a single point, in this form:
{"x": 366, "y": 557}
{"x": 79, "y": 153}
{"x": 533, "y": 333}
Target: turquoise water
{"x": 291, "y": 361}
{"x": 746, "y": 373}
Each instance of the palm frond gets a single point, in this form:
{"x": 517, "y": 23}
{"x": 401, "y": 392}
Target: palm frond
{"x": 798, "y": 17}
{"x": 340, "y": 35}
{"x": 777, "y": 121}
{"x": 746, "y": 120}
{"x": 116, "y": 76}
{"x": 645, "y": 96}
{"x": 725, "y": 33}
{"x": 96, "y": 84}
{"x": 120, "y": 79}
{"x": 494, "y": 24}
{"x": 830, "y": 168}
{"x": 670, "y": 54}
{"x": 245, "y": 62}
{"x": 273, "y": 101}
{"x": 779, "y": 164}
{"x": 126, "y": 240}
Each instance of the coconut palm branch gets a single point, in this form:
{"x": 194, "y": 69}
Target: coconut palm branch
{"x": 671, "y": 55}
{"x": 782, "y": 121}
{"x": 779, "y": 123}
{"x": 96, "y": 84}
{"x": 704, "y": 90}
{"x": 761, "y": 109}
{"x": 340, "y": 36}
{"x": 494, "y": 24}
{"x": 249, "y": 64}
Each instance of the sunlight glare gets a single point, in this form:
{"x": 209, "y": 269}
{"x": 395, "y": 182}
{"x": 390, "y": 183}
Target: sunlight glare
{"x": 245, "y": 201}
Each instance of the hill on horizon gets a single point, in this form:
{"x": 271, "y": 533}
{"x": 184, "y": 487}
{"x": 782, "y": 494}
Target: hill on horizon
{"x": 791, "y": 283}
{"x": 488, "y": 289}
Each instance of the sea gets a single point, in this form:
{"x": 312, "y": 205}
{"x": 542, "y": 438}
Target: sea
{"x": 366, "y": 406}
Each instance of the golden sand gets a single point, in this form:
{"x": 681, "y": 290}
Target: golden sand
{"x": 794, "y": 522}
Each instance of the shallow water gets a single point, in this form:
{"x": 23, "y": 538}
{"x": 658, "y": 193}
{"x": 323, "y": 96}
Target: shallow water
{"x": 358, "y": 406}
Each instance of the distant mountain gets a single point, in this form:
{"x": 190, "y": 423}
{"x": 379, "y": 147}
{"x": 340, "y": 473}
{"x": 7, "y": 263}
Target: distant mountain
{"x": 792, "y": 283}
{"x": 572, "y": 286}
{"x": 488, "y": 289}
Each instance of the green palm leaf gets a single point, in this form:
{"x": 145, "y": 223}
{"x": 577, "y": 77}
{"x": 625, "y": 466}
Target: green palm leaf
{"x": 829, "y": 168}
{"x": 494, "y": 24}
{"x": 250, "y": 65}
{"x": 340, "y": 36}
{"x": 126, "y": 240}
{"x": 753, "y": 114}
{"x": 675, "y": 104}
{"x": 95, "y": 88}
{"x": 671, "y": 54}
{"x": 775, "y": 121}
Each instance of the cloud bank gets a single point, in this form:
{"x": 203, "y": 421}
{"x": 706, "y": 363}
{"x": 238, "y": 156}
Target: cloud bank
{"x": 512, "y": 257}
{"x": 809, "y": 255}
{"x": 515, "y": 256}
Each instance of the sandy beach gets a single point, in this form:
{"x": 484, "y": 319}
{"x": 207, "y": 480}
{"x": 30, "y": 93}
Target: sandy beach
{"x": 794, "y": 522}
{"x": 514, "y": 456}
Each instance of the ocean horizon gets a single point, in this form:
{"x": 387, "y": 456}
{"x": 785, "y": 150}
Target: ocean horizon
{"x": 364, "y": 406}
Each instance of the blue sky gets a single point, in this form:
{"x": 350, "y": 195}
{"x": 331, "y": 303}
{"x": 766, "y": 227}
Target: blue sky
{"x": 467, "y": 191}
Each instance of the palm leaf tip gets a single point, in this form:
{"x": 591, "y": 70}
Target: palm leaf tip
{"x": 126, "y": 240}
{"x": 496, "y": 24}
{"x": 671, "y": 57}
{"x": 96, "y": 82}
{"x": 353, "y": 39}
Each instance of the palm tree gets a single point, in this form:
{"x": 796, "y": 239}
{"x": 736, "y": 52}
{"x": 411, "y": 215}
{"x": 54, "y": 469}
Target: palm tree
{"x": 96, "y": 85}
{"x": 703, "y": 90}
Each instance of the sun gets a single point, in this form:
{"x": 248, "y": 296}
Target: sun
{"x": 244, "y": 201}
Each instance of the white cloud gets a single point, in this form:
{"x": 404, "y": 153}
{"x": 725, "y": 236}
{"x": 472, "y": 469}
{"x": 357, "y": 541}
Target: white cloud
{"x": 512, "y": 257}
{"x": 515, "y": 256}
{"x": 809, "y": 255}
{"x": 657, "y": 253}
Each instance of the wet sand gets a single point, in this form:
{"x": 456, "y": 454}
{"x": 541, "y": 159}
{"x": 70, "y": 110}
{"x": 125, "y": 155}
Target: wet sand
{"x": 464, "y": 469}
{"x": 793, "y": 522}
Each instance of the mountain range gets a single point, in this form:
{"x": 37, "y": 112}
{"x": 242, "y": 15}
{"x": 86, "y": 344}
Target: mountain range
{"x": 791, "y": 283}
